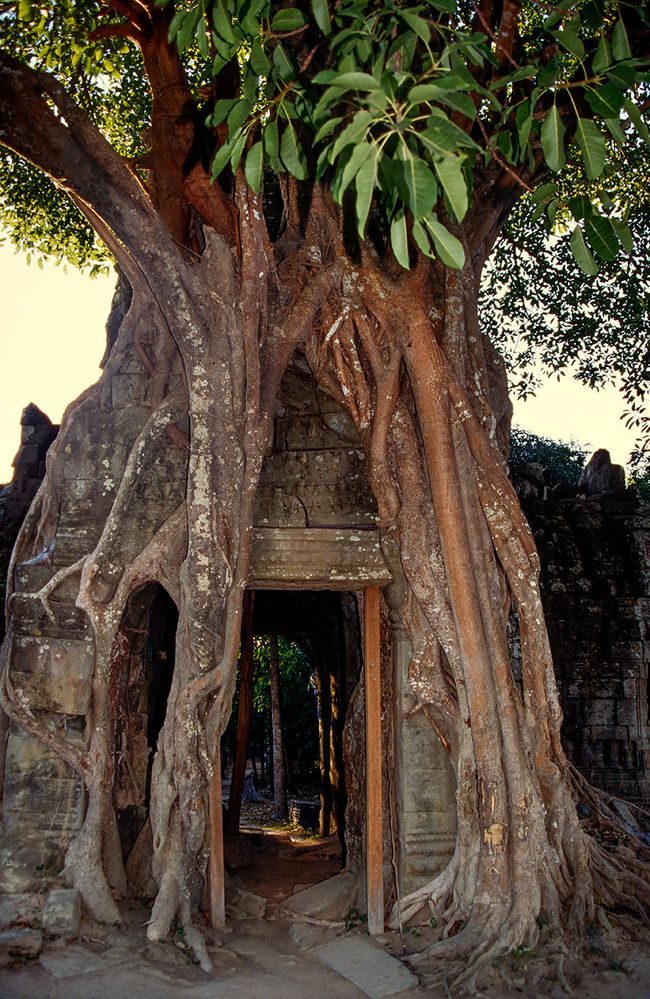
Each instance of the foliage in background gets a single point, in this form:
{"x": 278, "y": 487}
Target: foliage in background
{"x": 298, "y": 707}
{"x": 562, "y": 461}
{"x": 546, "y": 315}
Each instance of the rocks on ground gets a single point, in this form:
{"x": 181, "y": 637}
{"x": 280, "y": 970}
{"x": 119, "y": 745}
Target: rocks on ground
{"x": 331, "y": 899}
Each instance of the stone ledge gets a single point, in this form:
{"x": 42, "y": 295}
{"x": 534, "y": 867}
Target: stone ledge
{"x": 324, "y": 558}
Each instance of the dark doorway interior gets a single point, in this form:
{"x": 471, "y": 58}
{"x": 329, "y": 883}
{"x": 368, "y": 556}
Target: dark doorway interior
{"x": 145, "y": 673}
{"x": 318, "y": 639}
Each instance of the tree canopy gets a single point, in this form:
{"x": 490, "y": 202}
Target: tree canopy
{"x": 396, "y": 107}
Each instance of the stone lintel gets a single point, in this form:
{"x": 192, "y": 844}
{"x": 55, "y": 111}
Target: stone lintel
{"x": 316, "y": 558}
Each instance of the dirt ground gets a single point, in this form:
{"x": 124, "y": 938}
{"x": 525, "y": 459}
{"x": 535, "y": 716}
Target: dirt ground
{"x": 277, "y": 957}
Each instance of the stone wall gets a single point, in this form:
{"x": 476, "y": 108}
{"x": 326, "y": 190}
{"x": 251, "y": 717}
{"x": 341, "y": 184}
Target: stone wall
{"x": 595, "y": 555}
{"x": 36, "y": 434}
{"x": 316, "y": 525}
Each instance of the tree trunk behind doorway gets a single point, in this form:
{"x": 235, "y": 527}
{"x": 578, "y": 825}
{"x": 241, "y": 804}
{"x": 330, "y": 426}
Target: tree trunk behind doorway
{"x": 244, "y": 716}
{"x": 279, "y": 782}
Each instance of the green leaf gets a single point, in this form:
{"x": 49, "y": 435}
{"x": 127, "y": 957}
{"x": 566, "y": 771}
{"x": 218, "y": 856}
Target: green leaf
{"x": 222, "y": 109}
{"x": 582, "y": 253}
{"x": 251, "y": 84}
{"x": 607, "y": 101}
{"x": 223, "y": 25}
{"x": 424, "y": 92}
{"x": 24, "y": 10}
{"x": 622, "y": 230}
{"x": 237, "y": 150}
{"x": 283, "y": 64}
{"x": 291, "y": 154}
{"x": 322, "y": 15}
{"x": 221, "y": 157}
{"x": 523, "y": 73}
{"x": 359, "y": 155}
{"x": 449, "y": 249}
{"x": 421, "y": 237}
{"x": 549, "y": 73}
{"x": 355, "y": 132}
{"x": 326, "y": 129}
{"x": 614, "y": 127}
{"x": 592, "y": 145}
{"x": 622, "y": 76}
{"x": 259, "y": 59}
{"x": 249, "y": 19}
{"x": 420, "y": 185}
{"x": 353, "y": 81}
{"x": 570, "y": 41}
{"x": 451, "y": 177}
{"x": 239, "y": 114}
{"x": 186, "y": 30}
{"x": 637, "y": 120}
{"x": 365, "y": 184}
{"x": 524, "y": 120}
{"x": 202, "y": 39}
{"x": 289, "y": 19}
{"x": 445, "y": 6}
{"x": 272, "y": 145}
{"x": 460, "y": 102}
{"x": 620, "y": 43}
{"x": 254, "y": 165}
{"x": 399, "y": 239}
{"x": 601, "y": 236}
{"x": 504, "y": 142}
{"x": 580, "y": 207}
{"x": 553, "y": 140}
{"x": 418, "y": 25}
{"x": 602, "y": 59}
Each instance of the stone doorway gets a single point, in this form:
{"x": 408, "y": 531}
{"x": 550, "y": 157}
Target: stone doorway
{"x": 145, "y": 644}
{"x": 319, "y": 633}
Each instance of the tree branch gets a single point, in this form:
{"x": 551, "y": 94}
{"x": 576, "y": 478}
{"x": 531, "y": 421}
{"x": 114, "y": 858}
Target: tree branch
{"x": 63, "y": 143}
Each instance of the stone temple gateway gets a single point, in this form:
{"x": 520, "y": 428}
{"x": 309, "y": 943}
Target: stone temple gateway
{"x": 315, "y": 532}
{"x": 319, "y": 563}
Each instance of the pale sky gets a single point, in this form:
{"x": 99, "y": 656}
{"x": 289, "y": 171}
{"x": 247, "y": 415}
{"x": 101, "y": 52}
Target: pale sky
{"x": 52, "y": 338}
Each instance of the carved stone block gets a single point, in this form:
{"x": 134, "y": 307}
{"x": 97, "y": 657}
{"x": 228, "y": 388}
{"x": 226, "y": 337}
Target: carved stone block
{"x": 53, "y": 674}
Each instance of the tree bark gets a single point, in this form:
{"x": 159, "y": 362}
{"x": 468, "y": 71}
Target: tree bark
{"x": 325, "y": 745}
{"x": 244, "y": 716}
{"x": 279, "y": 778}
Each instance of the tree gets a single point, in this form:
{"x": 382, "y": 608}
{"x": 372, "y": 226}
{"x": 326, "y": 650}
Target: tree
{"x": 279, "y": 782}
{"x": 561, "y": 462}
{"x": 330, "y": 179}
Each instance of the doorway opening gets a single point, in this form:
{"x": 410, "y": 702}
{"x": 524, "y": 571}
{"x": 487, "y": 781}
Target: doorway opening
{"x": 145, "y": 648}
{"x": 285, "y": 767}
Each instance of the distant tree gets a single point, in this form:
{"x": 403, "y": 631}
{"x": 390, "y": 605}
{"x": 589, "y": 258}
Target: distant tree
{"x": 562, "y": 462}
{"x": 548, "y": 316}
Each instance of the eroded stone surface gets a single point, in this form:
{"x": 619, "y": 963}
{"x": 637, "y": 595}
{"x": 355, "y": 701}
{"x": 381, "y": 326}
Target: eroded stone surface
{"x": 365, "y": 964}
{"x": 330, "y": 899}
{"x": 20, "y": 943}
{"x": 75, "y": 960}
{"x": 62, "y": 913}
{"x": 21, "y": 907}
{"x": 241, "y": 904}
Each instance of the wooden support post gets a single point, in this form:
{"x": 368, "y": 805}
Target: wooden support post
{"x": 374, "y": 835}
{"x": 217, "y": 881}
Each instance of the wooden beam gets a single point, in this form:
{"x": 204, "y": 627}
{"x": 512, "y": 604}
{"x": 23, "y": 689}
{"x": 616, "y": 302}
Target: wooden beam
{"x": 374, "y": 832}
{"x": 216, "y": 877}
